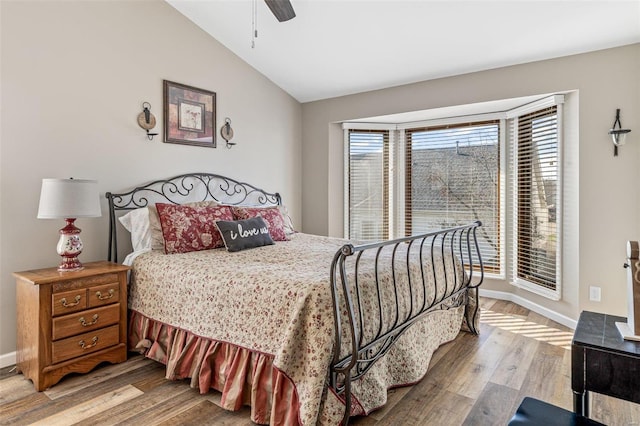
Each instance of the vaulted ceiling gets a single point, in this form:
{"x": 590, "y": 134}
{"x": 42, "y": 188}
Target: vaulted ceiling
{"x": 334, "y": 48}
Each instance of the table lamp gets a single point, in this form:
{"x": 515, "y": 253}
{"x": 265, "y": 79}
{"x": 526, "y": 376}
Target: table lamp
{"x": 69, "y": 199}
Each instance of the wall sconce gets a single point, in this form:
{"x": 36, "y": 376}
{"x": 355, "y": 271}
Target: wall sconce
{"x": 146, "y": 120}
{"x": 618, "y": 135}
{"x": 227, "y": 132}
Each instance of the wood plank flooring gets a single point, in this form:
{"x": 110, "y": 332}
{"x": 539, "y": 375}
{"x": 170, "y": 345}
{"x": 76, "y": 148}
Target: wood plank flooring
{"x": 474, "y": 380}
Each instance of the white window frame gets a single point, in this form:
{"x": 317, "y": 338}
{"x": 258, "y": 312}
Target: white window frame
{"x": 346, "y": 127}
{"x": 512, "y": 115}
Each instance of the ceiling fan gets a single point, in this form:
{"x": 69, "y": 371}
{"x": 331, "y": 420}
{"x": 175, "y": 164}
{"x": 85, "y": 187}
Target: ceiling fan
{"x": 281, "y": 9}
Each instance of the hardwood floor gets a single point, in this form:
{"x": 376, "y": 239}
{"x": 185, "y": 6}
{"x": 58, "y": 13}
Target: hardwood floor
{"x": 474, "y": 380}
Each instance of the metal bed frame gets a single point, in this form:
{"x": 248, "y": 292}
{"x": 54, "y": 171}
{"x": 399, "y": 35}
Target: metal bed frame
{"x": 455, "y": 249}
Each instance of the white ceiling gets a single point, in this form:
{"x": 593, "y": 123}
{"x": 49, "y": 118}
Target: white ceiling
{"x": 339, "y": 47}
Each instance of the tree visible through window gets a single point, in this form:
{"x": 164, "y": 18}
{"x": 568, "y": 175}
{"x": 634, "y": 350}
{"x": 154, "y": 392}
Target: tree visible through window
{"x": 452, "y": 180}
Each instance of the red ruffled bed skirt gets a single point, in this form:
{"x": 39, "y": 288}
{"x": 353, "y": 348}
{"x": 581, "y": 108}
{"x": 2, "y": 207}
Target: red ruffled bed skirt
{"x": 243, "y": 376}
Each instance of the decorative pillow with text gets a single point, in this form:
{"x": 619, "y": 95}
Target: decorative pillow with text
{"x": 244, "y": 234}
{"x": 191, "y": 228}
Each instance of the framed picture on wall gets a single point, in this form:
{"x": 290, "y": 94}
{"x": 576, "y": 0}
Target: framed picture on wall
{"x": 189, "y": 115}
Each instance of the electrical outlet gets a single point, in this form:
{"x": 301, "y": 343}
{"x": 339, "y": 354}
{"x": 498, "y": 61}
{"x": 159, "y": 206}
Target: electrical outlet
{"x": 594, "y": 294}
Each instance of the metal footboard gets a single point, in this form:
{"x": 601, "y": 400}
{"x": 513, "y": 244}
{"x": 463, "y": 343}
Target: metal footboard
{"x": 379, "y": 290}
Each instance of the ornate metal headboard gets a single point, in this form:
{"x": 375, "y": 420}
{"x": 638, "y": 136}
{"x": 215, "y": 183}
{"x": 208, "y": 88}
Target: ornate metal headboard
{"x": 183, "y": 189}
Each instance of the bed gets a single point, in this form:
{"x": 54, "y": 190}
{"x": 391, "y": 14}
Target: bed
{"x": 305, "y": 329}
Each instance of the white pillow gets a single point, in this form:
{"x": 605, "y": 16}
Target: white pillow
{"x": 137, "y": 223}
{"x": 288, "y": 223}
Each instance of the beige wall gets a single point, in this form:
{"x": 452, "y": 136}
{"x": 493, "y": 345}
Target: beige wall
{"x": 74, "y": 75}
{"x": 601, "y": 197}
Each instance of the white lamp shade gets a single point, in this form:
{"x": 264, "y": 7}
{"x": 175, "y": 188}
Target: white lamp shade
{"x": 69, "y": 198}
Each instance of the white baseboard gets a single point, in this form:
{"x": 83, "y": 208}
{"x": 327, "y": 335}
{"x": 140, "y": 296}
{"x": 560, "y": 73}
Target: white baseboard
{"x": 518, "y": 300}
{"x": 7, "y": 359}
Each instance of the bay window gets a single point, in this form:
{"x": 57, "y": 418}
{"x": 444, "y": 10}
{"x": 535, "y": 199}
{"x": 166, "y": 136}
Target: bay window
{"x": 502, "y": 168}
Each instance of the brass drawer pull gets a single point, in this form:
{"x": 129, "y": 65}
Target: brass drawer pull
{"x": 105, "y": 297}
{"x": 84, "y": 323}
{"x": 94, "y": 342}
{"x": 69, "y": 305}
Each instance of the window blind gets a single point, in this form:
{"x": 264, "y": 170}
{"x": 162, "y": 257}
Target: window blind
{"x": 368, "y": 188}
{"x": 537, "y": 198}
{"x": 452, "y": 179}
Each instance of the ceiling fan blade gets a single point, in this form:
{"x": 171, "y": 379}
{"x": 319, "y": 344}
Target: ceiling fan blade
{"x": 281, "y": 9}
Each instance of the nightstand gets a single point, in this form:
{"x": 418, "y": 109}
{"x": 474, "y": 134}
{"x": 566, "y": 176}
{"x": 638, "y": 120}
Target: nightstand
{"x": 603, "y": 361}
{"x": 69, "y": 322}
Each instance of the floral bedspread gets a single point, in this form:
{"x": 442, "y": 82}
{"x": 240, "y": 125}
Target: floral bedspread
{"x": 277, "y": 300}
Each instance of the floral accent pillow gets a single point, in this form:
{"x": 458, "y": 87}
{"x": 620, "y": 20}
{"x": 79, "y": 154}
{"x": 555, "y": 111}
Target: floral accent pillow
{"x": 271, "y": 215}
{"x": 157, "y": 240}
{"x": 191, "y": 228}
{"x": 244, "y": 234}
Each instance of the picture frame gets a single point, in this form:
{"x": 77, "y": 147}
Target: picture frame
{"x": 189, "y": 115}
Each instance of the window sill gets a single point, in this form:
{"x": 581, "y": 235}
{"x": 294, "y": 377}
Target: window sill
{"x": 536, "y": 289}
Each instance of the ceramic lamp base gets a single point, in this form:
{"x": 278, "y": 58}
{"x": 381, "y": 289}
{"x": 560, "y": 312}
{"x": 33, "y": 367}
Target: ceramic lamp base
{"x": 69, "y": 264}
{"x": 69, "y": 247}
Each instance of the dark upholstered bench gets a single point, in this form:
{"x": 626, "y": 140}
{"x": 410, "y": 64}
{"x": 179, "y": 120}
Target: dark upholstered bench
{"x": 535, "y": 412}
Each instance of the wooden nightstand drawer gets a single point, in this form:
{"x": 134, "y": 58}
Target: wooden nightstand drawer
{"x": 85, "y": 282}
{"x": 85, "y": 321}
{"x": 83, "y": 344}
{"x": 104, "y": 295}
{"x": 69, "y": 301}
